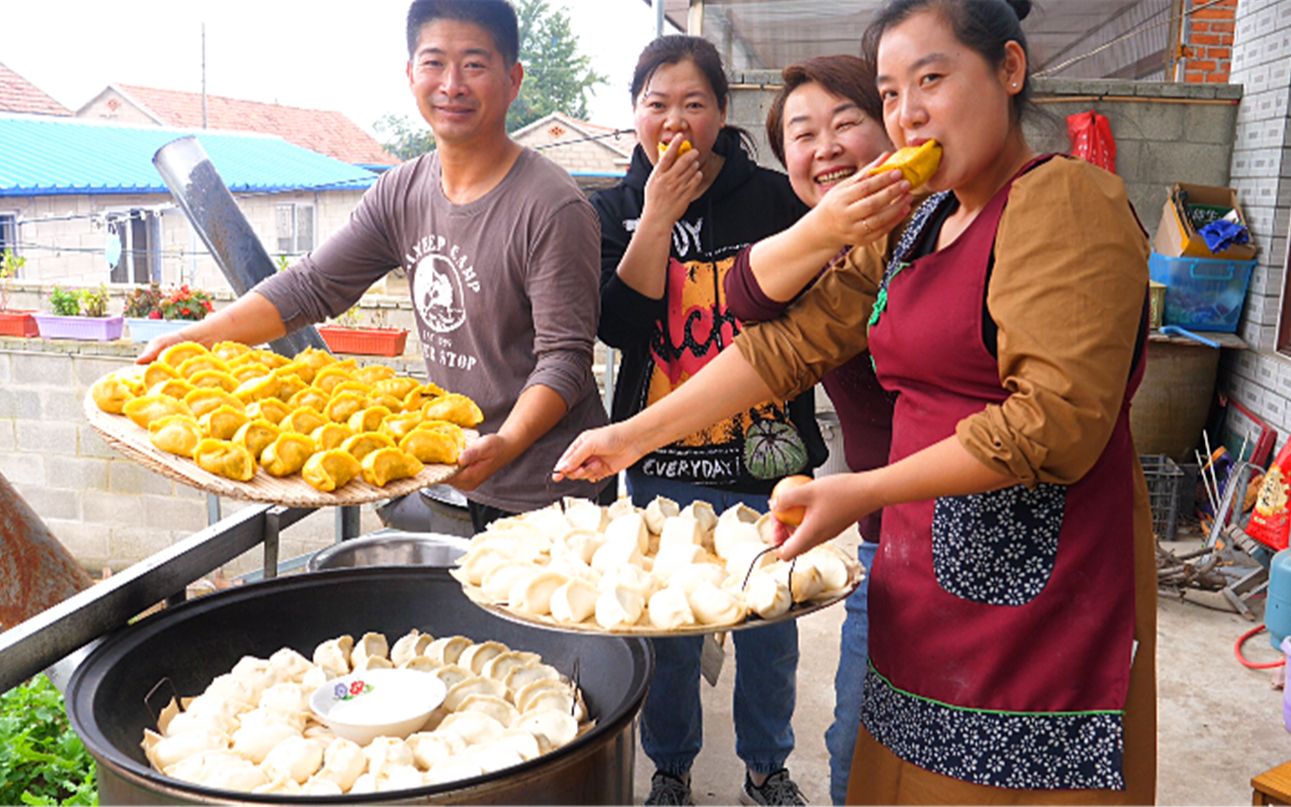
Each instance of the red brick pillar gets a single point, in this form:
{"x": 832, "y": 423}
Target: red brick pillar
{"x": 1208, "y": 41}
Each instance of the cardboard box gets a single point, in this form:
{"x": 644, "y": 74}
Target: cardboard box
{"x": 1177, "y": 236}
{"x": 1156, "y": 304}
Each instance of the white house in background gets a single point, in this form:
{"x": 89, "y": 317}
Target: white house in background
{"x": 596, "y": 156}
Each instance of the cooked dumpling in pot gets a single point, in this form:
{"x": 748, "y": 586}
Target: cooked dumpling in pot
{"x": 329, "y": 470}
{"x": 199, "y": 363}
{"x": 302, "y": 420}
{"x": 147, "y": 408}
{"x": 225, "y": 458}
{"x": 360, "y": 445}
{"x": 398, "y": 426}
{"x": 388, "y": 464}
{"x": 177, "y": 434}
{"x": 287, "y": 453}
{"x": 256, "y": 435}
{"x": 436, "y": 444}
{"x": 207, "y": 399}
{"x": 455, "y": 408}
{"x": 177, "y": 354}
{"x": 313, "y": 398}
{"x": 257, "y": 388}
{"x": 223, "y": 422}
{"x": 111, "y": 392}
{"x": 174, "y": 387}
{"x": 330, "y": 435}
{"x": 344, "y": 405}
{"x": 366, "y": 420}
{"x": 271, "y": 409}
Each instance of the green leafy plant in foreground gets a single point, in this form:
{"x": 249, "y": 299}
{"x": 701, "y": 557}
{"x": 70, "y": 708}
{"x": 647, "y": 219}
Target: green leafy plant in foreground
{"x": 42, "y": 761}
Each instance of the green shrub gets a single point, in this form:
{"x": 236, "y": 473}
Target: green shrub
{"x": 94, "y": 303}
{"x": 42, "y": 761}
{"x": 65, "y": 303}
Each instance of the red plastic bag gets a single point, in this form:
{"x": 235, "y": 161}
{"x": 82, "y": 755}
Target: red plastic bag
{"x": 1091, "y": 139}
{"x": 1270, "y": 522}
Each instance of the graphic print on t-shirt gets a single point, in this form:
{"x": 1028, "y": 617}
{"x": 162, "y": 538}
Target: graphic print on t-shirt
{"x": 760, "y": 442}
{"x": 441, "y": 275}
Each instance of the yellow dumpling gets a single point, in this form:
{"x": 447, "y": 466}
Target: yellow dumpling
{"x": 289, "y": 384}
{"x": 222, "y": 422}
{"x": 302, "y": 420}
{"x": 199, "y": 363}
{"x": 314, "y": 359}
{"x": 177, "y": 354}
{"x": 147, "y": 408}
{"x": 174, "y": 387}
{"x": 373, "y": 373}
{"x": 455, "y": 408}
{"x": 343, "y": 406}
{"x": 176, "y": 434}
{"x": 388, "y": 401}
{"x": 399, "y": 425}
{"x": 330, "y": 435}
{"x": 388, "y": 464}
{"x": 360, "y": 445}
{"x": 255, "y": 389}
{"x": 436, "y": 444}
{"x": 352, "y": 386}
{"x": 286, "y": 454}
{"x": 248, "y": 370}
{"x": 111, "y": 392}
{"x": 328, "y": 377}
{"x": 229, "y": 350}
{"x": 418, "y": 396}
{"x": 158, "y": 372}
{"x": 313, "y": 398}
{"x": 207, "y": 399}
{"x": 329, "y": 470}
{"x": 256, "y": 435}
{"x": 271, "y": 409}
{"x": 225, "y": 458}
{"x": 270, "y": 359}
{"x": 214, "y": 378}
{"x": 367, "y": 420}
{"x": 399, "y": 386}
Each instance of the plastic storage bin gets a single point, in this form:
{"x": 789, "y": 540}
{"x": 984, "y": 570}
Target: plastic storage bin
{"x": 1204, "y": 294}
{"x": 1166, "y": 481}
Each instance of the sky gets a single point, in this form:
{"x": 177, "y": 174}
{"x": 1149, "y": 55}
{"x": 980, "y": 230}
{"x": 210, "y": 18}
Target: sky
{"x": 324, "y": 54}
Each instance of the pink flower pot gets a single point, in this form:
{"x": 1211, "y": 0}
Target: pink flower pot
{"x": 93, "y": 329}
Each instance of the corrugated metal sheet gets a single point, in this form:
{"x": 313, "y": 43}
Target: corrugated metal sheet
{"x": 47, "y": 156}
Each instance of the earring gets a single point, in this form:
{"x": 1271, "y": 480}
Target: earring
{"x": 1015, "y": 85}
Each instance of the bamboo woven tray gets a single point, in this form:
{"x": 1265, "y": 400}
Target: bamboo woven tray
{"x": 797, "y": 610}
{"x": 127, "y": 437}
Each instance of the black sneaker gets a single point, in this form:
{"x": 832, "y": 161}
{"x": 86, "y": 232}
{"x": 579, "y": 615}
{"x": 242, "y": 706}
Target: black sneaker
{"x": 668, "y": 789}
{"x": 777, "y": 789}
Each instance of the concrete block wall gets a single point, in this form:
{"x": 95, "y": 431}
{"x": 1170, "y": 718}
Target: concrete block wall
{"x": 1261, "y": 172}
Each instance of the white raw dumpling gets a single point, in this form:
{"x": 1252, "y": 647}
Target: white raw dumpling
{"x": 585, "y": 514}
{"x": 739, "y": 512}
{"x": 209, "y": 722}
{"x": 419, "y": 663}
{"x": 629, "y": 530}
{"x": 196, "y": 767}
{"x": 314, "y": 679}
{"x": 475, "y": 685}
{"x": 321, "y": 787}
{"x": 384, "y": 753}
{"x": 494, "y": 756}
{"x": 476, "y": 656}
{"x": 573, "y": 602}
{"x": 400, "y": 777}
{"x": 571, "y": 565}
{"x": 452, "y": 674}
{"x": 533, "y": 596}
{"x": 497, "y": 584}
{"x": 630, "y": 576}
{"x": 283, "y": 785}
{"x": 432, "y": 749}
{"x": 805, "y": 582}
{"x": 479, "y": 560}
{"x": 246, "y": 777}
{"x": 745, "y": 557}
{"x": 254, "y": 673}
{"x": 333, "y": 655}
{"x": 767, "y": 595}
{"x": 732, "y": 533}
{"x": 619, "y": 607}
{"x": 687, "y": 577}
{"x": 453, "y": 770}
{"x": 494, "y": 706}
{"x": 343, "y": 761}
{"x": 766, "y": 527}
{"x": 668, "y": 609}
{"x": 614, "y": 554}
{"x": 836, "y": 569}
{"x": 702, "y": 512}
{"x": 409, "y": 646}
{"x": 447, "y": 649}
{"x": 164, "y": 752}
{"x": 372, "y": 663}
{"x": 475, "y": 728}
{"x": 503, "y": 663}
{"x": 673, "y": 557}
{"x": 516, "y": 538}
{"x": 295, "y": 758}
{"x": 285, "y": 699}
{"x": 551, "y": 728}
{"x": 517, "y": 740}
{"x": 288, "y": 665}
{"x": 255, "y": 739}
{"x": 522, "y": 677}
{"x": 659, "y": 509}
{"x": 550, "y": 521}
{"x": 681, "y": 531}
{"x": 620, "y": 507}
{"x": 581, "y": 544}
{"x": 715, "y": 606}
{"x": 526, "y": 696}
{"x": 226, "y": 687}
{"x": 372, "y": 645}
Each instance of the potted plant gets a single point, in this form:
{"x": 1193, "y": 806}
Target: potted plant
{"x": 80, "y": 315}
{"x": 348, "y": 334}
{"x": 13, "y": 322}
{"x": 151, "y": 312}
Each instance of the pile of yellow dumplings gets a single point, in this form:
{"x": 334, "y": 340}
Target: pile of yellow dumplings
{"x": 234, "y": 408}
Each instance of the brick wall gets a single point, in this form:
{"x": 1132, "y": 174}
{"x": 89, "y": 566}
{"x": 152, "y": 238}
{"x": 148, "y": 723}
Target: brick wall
{"x": 1208, "y": 42}
{"x": 1261, "y": 172}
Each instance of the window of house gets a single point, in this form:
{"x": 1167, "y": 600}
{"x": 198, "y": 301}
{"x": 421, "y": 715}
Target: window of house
{"x": 294, "y": 224}
{"x": 8, "y": 232}
{"x": 139, "y": 232}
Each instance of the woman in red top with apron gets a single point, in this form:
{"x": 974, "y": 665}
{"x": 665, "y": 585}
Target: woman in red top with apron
{"x": 1012, "y": 602}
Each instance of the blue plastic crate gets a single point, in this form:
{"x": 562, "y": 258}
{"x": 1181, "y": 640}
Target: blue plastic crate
{"x": 1204, "y": 294}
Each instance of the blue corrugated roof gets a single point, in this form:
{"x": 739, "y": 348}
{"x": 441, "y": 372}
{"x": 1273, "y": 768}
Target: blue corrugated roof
{"x": 47, "y": 156}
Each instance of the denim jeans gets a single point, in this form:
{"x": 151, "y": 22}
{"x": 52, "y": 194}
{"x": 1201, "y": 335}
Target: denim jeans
{"x": 849, "y": 681}
{"x": 766, "y": 667}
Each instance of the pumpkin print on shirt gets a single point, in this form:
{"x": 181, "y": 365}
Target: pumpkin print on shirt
{"x": 760, "y": 442}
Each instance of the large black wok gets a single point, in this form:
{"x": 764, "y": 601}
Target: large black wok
{"x": 196, "y": 641}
